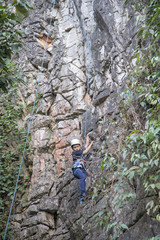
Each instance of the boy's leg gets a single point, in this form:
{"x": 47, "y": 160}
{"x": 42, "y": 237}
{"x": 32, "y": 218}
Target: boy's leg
{"x": 81, "y": 174}
{"x": 83, "y": 183}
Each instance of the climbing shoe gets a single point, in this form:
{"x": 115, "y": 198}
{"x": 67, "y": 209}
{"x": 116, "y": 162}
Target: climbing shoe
{"x": 82, "y": 199}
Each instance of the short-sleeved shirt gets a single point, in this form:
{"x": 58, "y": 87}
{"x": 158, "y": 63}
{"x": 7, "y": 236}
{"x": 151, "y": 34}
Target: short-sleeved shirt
{"x": 78, "y": 159}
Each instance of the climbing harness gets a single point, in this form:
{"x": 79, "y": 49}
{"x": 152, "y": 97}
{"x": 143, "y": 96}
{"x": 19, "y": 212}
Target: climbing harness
{"x": 88, "y": 72}
{"x": 79, "y": 163}
{"x": 29, "y": 125}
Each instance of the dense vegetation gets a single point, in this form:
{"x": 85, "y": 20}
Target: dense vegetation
{"x": 12, "y": 137}
{"x": 11, "y": 15}
{"x": 142, "y": 145}
{"x": 137, "y": 157}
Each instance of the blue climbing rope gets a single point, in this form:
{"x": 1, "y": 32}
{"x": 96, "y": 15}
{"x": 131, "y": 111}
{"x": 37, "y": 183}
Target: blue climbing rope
{"x": 29, "y": 125}
{"x": 88, "y": 73}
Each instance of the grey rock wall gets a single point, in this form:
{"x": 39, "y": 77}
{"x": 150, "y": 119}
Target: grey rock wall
{"x": 53, "y": 210}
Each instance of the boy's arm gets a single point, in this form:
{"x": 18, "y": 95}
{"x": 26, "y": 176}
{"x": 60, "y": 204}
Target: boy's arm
{"x": 88, "y": 148}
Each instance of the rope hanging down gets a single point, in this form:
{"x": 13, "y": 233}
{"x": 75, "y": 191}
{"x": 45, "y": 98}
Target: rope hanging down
{"x": 88, "y": 72}
{"x": 29, "y": 125}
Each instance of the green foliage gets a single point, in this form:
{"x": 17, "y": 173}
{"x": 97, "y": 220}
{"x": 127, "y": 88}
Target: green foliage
{"x": 12, "y": 139}
{"x": 142, "y": 145}
{"x": 10, "y": 33}
{"x": 139, "y": 5}
{"x": 140, "y": 114}
{"x": 155, "y": 238}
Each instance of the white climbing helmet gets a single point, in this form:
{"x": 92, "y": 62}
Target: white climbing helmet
{"x": 75, "y": 142}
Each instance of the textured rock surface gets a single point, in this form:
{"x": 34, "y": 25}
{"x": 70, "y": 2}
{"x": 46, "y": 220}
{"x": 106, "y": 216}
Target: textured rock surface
{"x": 53, "y": 210}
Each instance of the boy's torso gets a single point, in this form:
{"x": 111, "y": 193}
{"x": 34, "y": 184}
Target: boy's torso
{"x": 78, "y": 159}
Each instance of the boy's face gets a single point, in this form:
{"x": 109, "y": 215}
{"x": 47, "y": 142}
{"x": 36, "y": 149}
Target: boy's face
{"x": 77, "y": 147}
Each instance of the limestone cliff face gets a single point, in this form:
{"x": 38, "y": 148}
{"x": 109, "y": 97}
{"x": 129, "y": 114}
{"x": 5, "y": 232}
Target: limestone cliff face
{"x": 53, "y": 210}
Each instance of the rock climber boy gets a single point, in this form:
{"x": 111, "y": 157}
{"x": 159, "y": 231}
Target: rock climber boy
{"x": 78, "y": 168}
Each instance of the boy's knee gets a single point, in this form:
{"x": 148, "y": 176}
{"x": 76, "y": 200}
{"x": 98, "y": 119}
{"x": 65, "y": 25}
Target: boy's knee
{"x": 83, "y": 178}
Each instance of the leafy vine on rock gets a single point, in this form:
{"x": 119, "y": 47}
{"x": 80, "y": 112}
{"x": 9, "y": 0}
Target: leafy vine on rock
{"x": 136, "y": 160}
{"x": 11, "y": 15}
{"x": 12, "y": 138}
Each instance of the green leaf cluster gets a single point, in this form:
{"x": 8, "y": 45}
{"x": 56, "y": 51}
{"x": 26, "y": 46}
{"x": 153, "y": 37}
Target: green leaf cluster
{"x": 140, "y": 114}
{"x": 12, "y": 139}
{"x": 11, "y": 15}
{"x": 142, "y": 145}
{"x": 155, "y": 238}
